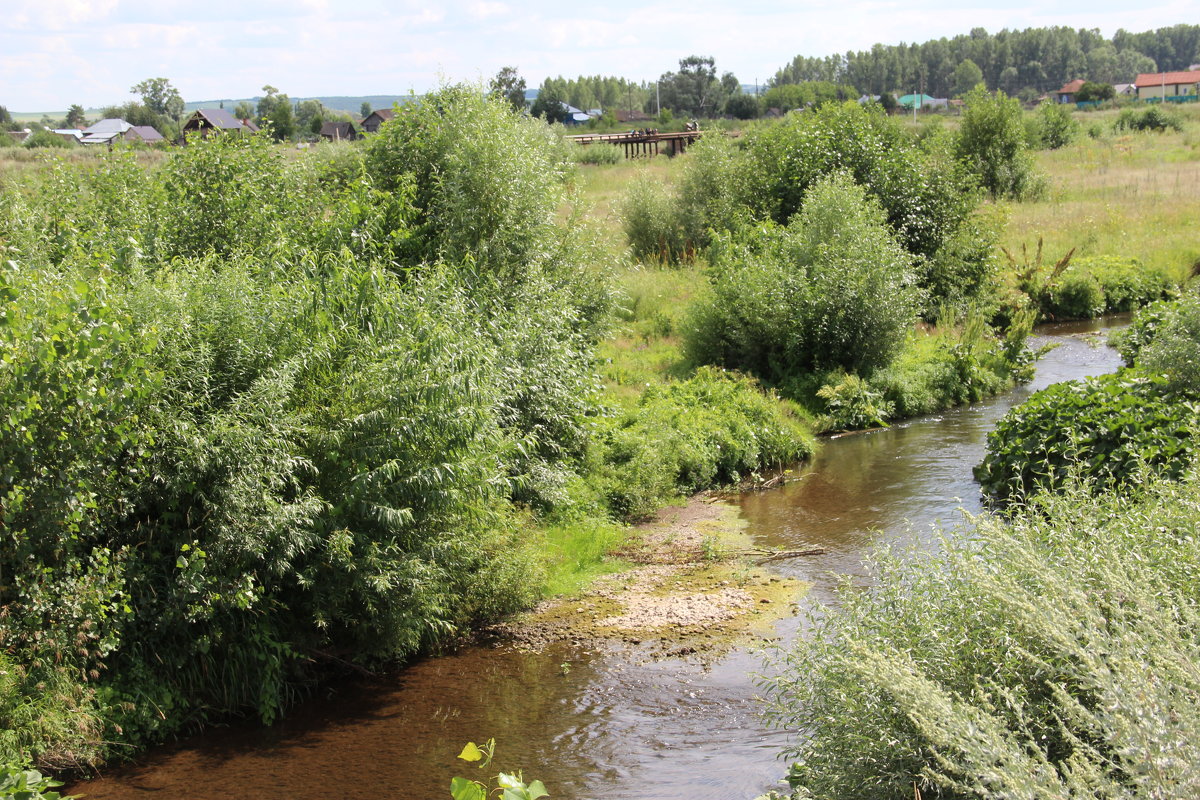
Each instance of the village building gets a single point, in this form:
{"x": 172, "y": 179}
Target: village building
{"x": 214, "y": 120}
{"x": 1157, "y": 85}
{"x": 338, "y": 131}
{"x": 145, "y": 134}
{"x": 106, "y": 131}
{"x": 376, "y": 118}
{"x": 1067, "y": 93}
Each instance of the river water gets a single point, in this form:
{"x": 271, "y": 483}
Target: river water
{"x": 613, "y": 724}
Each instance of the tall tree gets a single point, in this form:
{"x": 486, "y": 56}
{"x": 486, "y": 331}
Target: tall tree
{"x": 364, "y": 110}
{"x": 967, "y": 75}
{"x": 75, "y": 117}
{"x": 510, "y": 86}
{"x": 160, "y": 96}
{"x": 275, "y": 112}
{"x": 694, "y": 89}
{"x": 549, "y": 104}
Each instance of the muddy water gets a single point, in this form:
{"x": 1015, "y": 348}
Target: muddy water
{"x": 608, "y": 724}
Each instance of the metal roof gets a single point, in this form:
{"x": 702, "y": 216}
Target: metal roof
{"x": 107, "y": 126}
{"x": 217, "y": 118}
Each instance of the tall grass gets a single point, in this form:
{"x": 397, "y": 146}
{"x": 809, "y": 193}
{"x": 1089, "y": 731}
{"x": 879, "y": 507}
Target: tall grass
{"x": 1129, "y": 195}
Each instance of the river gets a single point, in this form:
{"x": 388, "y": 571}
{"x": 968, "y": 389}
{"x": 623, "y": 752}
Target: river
{"x": 614, "y": 723}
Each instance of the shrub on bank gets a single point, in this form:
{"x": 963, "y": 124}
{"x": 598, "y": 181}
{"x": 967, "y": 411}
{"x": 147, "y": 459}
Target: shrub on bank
{"x": 1090, "y": 287}
{"x": 1051, "y": 656}
{"x": 833, "y": 289}
{"x": 1104, "y": 430}
{"x": 961, "y": 362}
{"x": 715, "y": 427}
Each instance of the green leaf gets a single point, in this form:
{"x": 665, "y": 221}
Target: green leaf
{"x": 463, "y": 789}
{"x": 470, "y": 752}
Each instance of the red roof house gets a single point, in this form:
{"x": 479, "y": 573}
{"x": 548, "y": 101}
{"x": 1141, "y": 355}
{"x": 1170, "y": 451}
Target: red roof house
{"x": 1168, "y": 84}
{"x": 1067, "y": 93}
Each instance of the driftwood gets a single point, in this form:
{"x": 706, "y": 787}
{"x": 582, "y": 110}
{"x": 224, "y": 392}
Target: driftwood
{"x": 815, "y": 551}
{"x": 765, "y": 556}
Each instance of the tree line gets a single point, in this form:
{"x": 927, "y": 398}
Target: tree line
{"x": 1026, "y": 63}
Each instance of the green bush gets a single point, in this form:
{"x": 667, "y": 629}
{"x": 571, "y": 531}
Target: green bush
{"x": 1054, "y": 126}
{"x": 1142, "y": 329}
{"x": 992, "y": 144}
{"x": 1052, "y": 656}
{"x": 489, "y": 183}
{"x": 714, "y": 427}
{"x": 711, "y": 194}
{"x": 652, "y": 224}
{"x": 852, "y": 404}
{"x": 599, "y": 153}
{"x": 1102, "y": 430}
{"x": 1075, "y": 295}
{"x": 43, "y": 137}
{"x": 1152, "y": 118}
{"x": 1089, "y": 287}
{"x": 960, "y": 363}
{"x": 925, "y": 200}
{"x": 1173, "y": 349}
{"x": 831, "y": 290}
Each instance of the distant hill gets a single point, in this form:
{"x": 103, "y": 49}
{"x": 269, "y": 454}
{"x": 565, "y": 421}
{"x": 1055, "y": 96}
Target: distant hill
{"x": 345, "y": 103}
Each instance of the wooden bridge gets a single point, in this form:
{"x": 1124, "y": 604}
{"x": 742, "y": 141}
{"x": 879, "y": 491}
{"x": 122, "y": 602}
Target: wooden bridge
{"x": 642, "y": 143}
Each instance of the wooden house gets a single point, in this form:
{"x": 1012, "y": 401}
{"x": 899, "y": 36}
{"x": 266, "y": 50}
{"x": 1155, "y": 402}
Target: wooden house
{"x": 338, "y": 131}
{"x": 205, "y": 121}
{"x": 376, "y": 118}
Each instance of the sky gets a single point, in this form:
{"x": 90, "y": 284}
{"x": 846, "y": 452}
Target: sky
{"x": 54, "y": 53}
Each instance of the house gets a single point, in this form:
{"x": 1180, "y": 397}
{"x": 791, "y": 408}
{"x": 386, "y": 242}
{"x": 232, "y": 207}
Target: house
{"x": 1168, "y": 85}
{"x": 146, "y": 134}
{"x": 376, "y": 118}
{"x": 20, "y": 136}
{"x": 1124, "y": 90}
{"x": 208, "y": 120}
{"x": 868, "y": 98}
{"x": 70, "y": 134}
{"x": 338, "y": 131}
{"x": 573, "y": 115}
{"x": 1067, "y": 93}
{"x": 106, "y": 131}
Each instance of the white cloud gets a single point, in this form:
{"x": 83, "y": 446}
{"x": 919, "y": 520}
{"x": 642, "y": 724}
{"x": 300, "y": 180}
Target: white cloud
{"x": 486, "y": 9}
{"x": 56, "y": 15}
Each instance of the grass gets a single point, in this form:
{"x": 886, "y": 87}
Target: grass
{"x": 576, "y": 553}
{"x": 1131, "y": 195}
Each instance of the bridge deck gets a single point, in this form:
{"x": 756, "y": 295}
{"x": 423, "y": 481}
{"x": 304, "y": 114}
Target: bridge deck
{"x": 638, "y": 144}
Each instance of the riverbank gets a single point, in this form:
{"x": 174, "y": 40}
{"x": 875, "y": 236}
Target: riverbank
{"x": 694, "y": 587}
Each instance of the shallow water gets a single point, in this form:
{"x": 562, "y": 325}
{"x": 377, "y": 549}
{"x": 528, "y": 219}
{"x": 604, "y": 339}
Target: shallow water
{"x": 610, "y": 724}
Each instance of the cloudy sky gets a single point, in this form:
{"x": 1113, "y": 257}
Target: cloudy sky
{"x": 57, "y": 52}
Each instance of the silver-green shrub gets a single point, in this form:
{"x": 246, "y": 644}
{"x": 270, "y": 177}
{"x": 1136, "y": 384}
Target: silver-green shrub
{"x": 1052, "y": 657}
